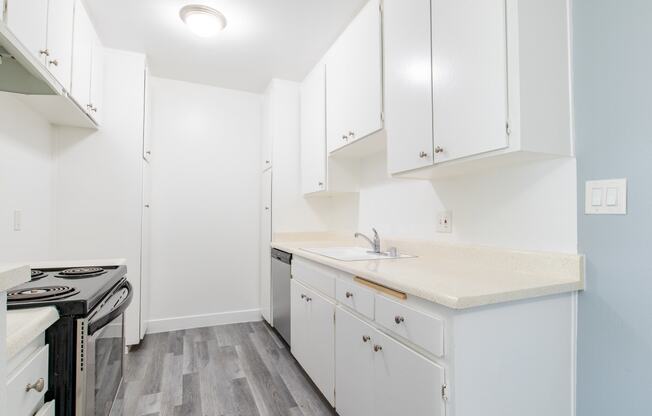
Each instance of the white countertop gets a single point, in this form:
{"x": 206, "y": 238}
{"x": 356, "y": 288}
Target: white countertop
{"x": 23, "y": 325}
{"x": 12, "y": 275}
{"x": 457, "y": 276}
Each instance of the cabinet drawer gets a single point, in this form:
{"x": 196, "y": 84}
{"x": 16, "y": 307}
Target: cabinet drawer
{"x": 315, "y": 275}
{"x": 19, "y": 400}
{"x": 415, "y": 326}
{"x": 355, "y": 297}
{"x": 46, "y": 410}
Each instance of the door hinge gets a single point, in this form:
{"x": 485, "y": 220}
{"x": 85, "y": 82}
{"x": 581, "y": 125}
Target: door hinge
{"x": 444, "y": 392}
{"x": 382, "y": 116}
{"x": 5, "y": 7}
{"x": 508, "y": 128}
{"x": 380, "y": 6}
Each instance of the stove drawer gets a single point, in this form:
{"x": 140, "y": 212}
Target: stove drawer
{"x": 27, "y": 384}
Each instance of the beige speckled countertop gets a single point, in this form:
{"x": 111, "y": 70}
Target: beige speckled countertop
{"x": 23, "y": 325}
{"x": 455, "y": 276}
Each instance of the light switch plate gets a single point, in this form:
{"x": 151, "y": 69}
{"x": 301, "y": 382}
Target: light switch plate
{"x": 606, "y": 197}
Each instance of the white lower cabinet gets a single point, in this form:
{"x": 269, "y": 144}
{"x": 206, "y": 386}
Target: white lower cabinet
{"x": 28, "y": 382}
{"x": 376, "y": 375}
{"x": 46, "y": 410}
{"x": 313, "y": 337}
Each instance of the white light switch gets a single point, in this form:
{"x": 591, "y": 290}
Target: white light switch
{"x": 606, "y": 197}
{"x": 17, "y": 220}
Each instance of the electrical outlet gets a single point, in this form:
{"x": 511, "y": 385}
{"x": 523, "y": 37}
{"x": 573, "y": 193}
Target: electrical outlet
{"x": 445, "y": 222}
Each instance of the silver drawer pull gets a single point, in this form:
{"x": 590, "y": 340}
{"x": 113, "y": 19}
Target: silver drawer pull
{"x": 308, "y": 299}
{"x": 38, "y": 386}
{"x": 303, "y": 296}
{"x": 377, "y": 348}
{"x": 349, "y": 295}
{"x": 399, "y": 319}
{"x": 366, "y": 338}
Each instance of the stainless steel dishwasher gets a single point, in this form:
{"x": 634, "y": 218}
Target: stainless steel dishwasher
{"x": 281, "y": 275}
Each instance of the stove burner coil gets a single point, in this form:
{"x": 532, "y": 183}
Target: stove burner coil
{"x": 80, "y": 272}
{"x": 37, "y": 274}
{"x": 40, "y": 293}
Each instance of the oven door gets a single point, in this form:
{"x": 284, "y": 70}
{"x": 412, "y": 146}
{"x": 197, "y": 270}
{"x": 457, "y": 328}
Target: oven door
{"x": 100, "y": 354}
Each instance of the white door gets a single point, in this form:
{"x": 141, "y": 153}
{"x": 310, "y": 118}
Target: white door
{"x": 145, "y": 249}
{"x": 59, "y": 40}
{"x": 470, "y": 77}
{"x": 313, "y": 131}
{"x": 268, "y": 128}
{"x": 97, "y": 79}
{"x": 82, "y": 48}
{"x": 299, "y": 323}
{"x": 147, "y": 131}
{"x": 265, "y": 249}
{"x": 27, "y": 20}
{"x": 354, "y": 80}
{"x": 354, "y": 365}
{"x": 322, "y": 344}
{"x": 405, "y": 383}
{"x": 408, "y": 84}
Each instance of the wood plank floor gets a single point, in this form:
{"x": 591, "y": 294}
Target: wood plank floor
{"x": 228, "y": 370}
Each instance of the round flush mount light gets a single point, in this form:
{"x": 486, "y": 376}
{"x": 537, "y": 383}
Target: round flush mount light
{"x": 203, "y": 21}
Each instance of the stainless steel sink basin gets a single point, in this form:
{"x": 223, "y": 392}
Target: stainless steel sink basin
{"x": 351, "y": 253}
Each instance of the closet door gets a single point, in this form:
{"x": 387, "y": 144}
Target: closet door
{"x": 265, "y": 249}
{"x": 469, "y": 63}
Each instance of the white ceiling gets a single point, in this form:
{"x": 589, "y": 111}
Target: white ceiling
{"x": 264, "y": 39}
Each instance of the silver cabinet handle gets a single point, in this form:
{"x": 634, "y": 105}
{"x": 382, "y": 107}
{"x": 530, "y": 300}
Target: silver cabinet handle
{"x": 349, "y": 295}
{"x": 308, "y": 299}
{"x": 377, "y": 348}
{"x": 366, "y": 338}
{"x": 38, "y": 386}
{"x": 94, "y": 109}
{"x": 423, "y": 155}
{"x": 303, "y": 296}
{"x": 345, "y": 137}
{"x": 266, "y": 208}
{"x": 54, "y": 62}
{"x": 267, "y": 162}
{"x": 439, "y": 149}
{"x": 399, "y": 319}
{"x": 149, "y": 152}
{"x": 45, "y": 52}
{"x": 351, "y": 134}
{"x": 146, "y": 205}
{"x": 320, "y": 184}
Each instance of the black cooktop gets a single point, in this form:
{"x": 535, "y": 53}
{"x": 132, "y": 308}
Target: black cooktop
{"x": 75, "y": 291}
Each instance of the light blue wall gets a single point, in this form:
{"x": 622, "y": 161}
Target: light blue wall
{"x": 613, "y": 107}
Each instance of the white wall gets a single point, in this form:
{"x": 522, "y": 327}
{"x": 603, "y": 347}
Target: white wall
{"x": 25, "y": 181}
{"x": 205, "y": 197}
{"x": 529, "y": 206}
{"x": 98, "y": 179}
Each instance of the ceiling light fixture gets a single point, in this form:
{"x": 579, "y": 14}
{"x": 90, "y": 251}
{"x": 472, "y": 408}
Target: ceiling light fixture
{"x": 203, "y": 21}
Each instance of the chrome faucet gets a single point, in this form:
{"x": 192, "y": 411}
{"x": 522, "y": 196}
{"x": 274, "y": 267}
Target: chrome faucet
{"x": 375, "y": 243}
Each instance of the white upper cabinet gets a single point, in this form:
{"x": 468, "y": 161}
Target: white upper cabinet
{"x": 97, "y": 80}
{"x": 28, "y": 21}
{"x": 354, "y": 80}
{"x": 59, "y": 42}
{"x": 45, "y": 29}
{"x": 469, "y": 59}
{"x": 471, "y": 85}
{"x": 313, "y": 131}
{"x": 82, "y": 57}
{"x": 408, "y": 84}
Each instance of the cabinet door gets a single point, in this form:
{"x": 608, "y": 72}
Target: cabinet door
{"x": 145, "y": 249}
{"x": 405, "y": 383}
{"x": 299, "y": 323}
{"x": 265, "y": 249}
{"x": 59, "y": 40}
{"x": 82, "y": 47}
{"x": 321, "y": 344}
{"x": 313, "y": 131}
{"x": 97, "y": 80}
{"x": 354, "y": 365}
{"x": 147, "y": 109}
{"x": 470, "y": 77}
{"x": 354, "y": 80}
{"x": 27, "y": 20}
{"x": 268, "y": 126}
{"x": 408, "y": 84}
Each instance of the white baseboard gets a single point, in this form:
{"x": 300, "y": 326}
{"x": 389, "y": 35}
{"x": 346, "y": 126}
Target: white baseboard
{"x": 197, "y": 321}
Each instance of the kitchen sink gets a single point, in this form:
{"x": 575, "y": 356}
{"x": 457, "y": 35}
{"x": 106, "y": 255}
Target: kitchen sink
{"x": 352, "y": 253}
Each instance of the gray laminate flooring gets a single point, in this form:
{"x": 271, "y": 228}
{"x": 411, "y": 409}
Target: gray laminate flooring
{"x": 228, "y": 370}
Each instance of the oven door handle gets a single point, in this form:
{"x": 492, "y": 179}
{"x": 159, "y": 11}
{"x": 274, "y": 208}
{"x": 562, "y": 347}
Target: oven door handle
{"x": 118, "y": 309}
